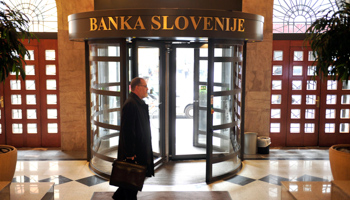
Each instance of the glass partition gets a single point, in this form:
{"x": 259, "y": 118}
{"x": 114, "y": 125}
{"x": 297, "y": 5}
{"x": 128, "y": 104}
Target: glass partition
{"x": 107, "y": 66}
{"x": 225, "y": 71}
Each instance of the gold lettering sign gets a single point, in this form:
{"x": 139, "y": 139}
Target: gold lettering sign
{"x": 200, "y": 23}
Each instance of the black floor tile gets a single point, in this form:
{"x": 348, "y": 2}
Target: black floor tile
{"x": 241, "y": 180}
{"x": 273, "y": 179}
{"x": 21, "y": 179}
{"x": 91, "y": 180}
{"x": 57, "y": 179}
{"x": 311, "y": 178}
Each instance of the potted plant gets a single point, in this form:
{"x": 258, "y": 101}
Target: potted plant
{"x": 14, "y": 26}
{"x": 8, "y": 160}
{"x": 329, "y": 38}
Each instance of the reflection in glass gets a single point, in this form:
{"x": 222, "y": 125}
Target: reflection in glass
{"x": 31, "y": 55}
{"x": 30, "y": 70}
{"x": 16, "y": 113}
{"x": 330, "y": 113}
{"x": 311, "y": 85}
{"x": 222, "y": 76}
{"x": 16, "y": 99}
{"x": 275, "y": 127}
{"x": 276, "y": 99}
{"x": 298, "y": 56}
{"x": 31, "y": 114}
{"x": 296, "y": 85}
{"x": 344, "y": 113}
{"x": 17, "y": 128}
{"x": 344, "y": 127}
{"x": 295, "y": 128}
{"x": 311, "y": 70}
{"x": 31, "y": 99}
{"x": 295, "y": 114}
{"x": 30, "y": 84}
{"x": 51, "y": 99}
{"x": 276, "y": 85}
{"x": 311, "y": 56}
{"x": 329, "y": 128}
{"x": 52, "y": 113}
{"x": 50, "y": 69}
{"x": 277, "y": 70}
{"x": 345, "y": 99}
{"x": 332, "y": 85}
{"x": 51, "y": 84}
{"x": 277, "y": 55}
{"x": 15, "y": 84}
{"x": 309, "y": 113}
{"x": 275, "y": 113}
{"x": 52, "y": 128}
{"x": 345, "y": 85}
{"x": 296, "y": 99}
{"x": 309, "y": 128}
{"x": 32, "y": 128}
{"x": 331, "y": 99}
{"x": 310, "y": 99}
{"x": 50, "y": 55}
{"x": 297, "y": 70}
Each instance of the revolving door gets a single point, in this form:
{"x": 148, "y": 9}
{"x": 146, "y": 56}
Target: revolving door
{"x": 196, "y": 100}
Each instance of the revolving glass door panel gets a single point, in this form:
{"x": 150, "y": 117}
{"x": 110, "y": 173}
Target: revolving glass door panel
{"x": 189, "y": 65}
{"x": 225, "y": 114}
{"x": 148, "y": 65}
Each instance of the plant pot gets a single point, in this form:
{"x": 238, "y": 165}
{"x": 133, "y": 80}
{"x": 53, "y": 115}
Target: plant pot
{"x": 8, "y": 160}
{"x": 340, "y": 162}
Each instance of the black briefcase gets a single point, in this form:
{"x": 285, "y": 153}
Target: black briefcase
{"x": 127, "y": 175}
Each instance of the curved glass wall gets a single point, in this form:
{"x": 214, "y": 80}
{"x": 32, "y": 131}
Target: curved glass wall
{"x": 225, "y": 101}
{"x": 106, "y": 82}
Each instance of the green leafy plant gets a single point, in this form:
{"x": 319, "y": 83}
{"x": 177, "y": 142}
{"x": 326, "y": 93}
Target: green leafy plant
{"x": 329, "y": 38}
{"x": 14, "y": 26}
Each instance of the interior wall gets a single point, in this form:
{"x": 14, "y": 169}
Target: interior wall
{"x": 72, "y": 78}
{"x": 72, "y": 75}
{"x": 258, "y": 74}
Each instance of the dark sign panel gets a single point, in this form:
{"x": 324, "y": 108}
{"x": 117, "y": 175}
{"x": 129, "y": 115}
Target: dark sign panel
{"x": 230, "y": 5}
{"x": 166, "y": 24}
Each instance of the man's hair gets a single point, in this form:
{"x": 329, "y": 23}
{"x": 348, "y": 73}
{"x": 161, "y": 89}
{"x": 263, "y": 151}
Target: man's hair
{"x": 134, "y": 82}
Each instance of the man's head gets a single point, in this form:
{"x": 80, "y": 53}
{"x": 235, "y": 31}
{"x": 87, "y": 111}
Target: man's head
{"x": 139, "y": 87}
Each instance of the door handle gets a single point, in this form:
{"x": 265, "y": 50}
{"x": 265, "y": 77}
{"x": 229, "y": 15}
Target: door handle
{"x": 318, "y": 102}
{"x": 2, "y": 101}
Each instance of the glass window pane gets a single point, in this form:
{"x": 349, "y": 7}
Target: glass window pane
{"x": 17, "y": 128}
{"x": 344, "y": 128}
{"x": 31, "y": 99}
{"x": 52, "y": 128}
{"x": 311, "y": 85}
{"x": 332, "y": 85}
{"x": 226, "y": 51}
{"x": 297, "y": 70}
{"x": 276, "y": 99}
{"x": 32, "y": 128}
{"x": 311, "y": 70}
{"x": 276, "y": 85}
{"x": 296, "y": 99}
{"x": 295, "y": 114}
{"x": 224, "y": 104}
{"x": 329, "y": 128}
{"x": 295, "y": 128}
{"x": 345, "y": 99}
{"x": 30, "y": 84}
{"x": 330, "y": 113}
{"x": 311, "y": 56}
{"x": 0, "y": 129}
{"x": 275, "y": 113}
{"x": 309, "y": 128}
{"x": 50, "y": 55}
{"x": 16, "y": 114}
{"x": 50, "y": 69}
{"x": 15, "y": 84}
{"x": 331, "y": 99}
{"x": 344, "y": 113}
{"x": 51, "y": 99}
{"x": 310, "y": 99}
{"x": 16, "y": 99}
{"x": 275, "y": 127}
{"x": 51, "y": 113}
{"x": 310, "y": 114}
{"x": 51, "y": 84}
{"x": 277, "y": 55}
{"x": 296, "y": 85}
{"x": 31, "y": 55}
{"x": 222, "y": 76}
{"x": 30, "y": 70}
{"x": 277, "y": 70}
{"x": 203, "y": 52}
{"x": 114, "y": 51}
{"x": 346, "y": 86}
{"x": 298, "y": 56}
{"x": 203, "y": 72}
{"x": 31, "y": 114}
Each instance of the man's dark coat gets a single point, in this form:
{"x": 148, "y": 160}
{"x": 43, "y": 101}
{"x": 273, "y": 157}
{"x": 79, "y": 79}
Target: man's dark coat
{"x": 135, "y": 133}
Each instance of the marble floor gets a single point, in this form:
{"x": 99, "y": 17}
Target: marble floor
{"x": 260, "y": 177}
